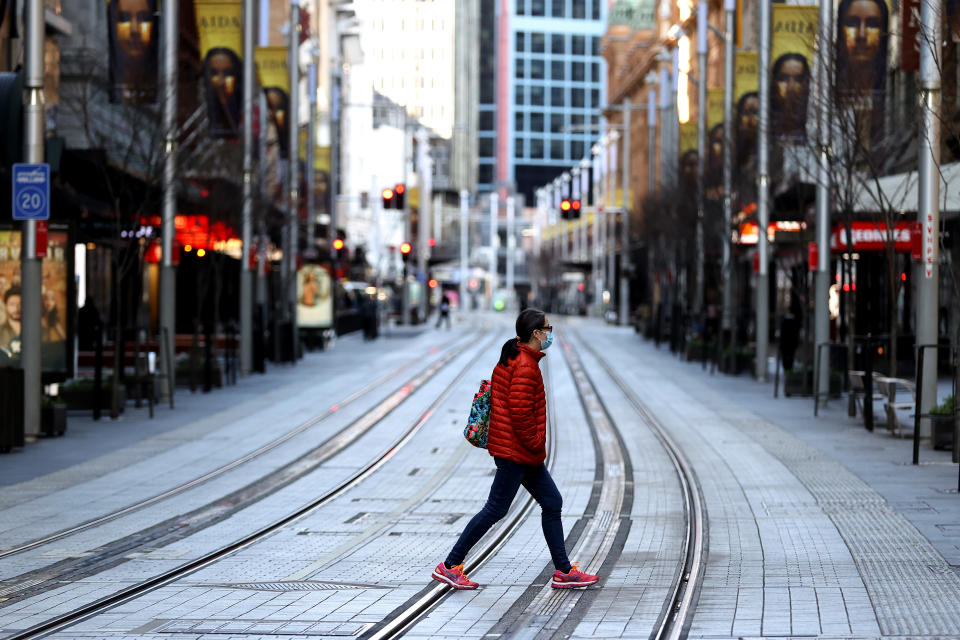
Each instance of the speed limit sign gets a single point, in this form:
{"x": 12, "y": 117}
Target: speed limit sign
{"x": 31, "y": 191}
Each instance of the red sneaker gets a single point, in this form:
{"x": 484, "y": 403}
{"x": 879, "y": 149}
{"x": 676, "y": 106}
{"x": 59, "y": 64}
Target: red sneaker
{"x": 574, "y": 579}
{"x": 454, "y": 577}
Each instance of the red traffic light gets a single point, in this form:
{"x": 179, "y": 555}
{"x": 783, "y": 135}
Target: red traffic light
{"x": 405, "y": 248}
{"x": 565, "y": 205}
{"x": 576, "y": 205}
{"x": 400, "y": 189}
{"x": 338, "y": 244}
{"x": 432, "y": 283}
{"x": 432, "y": 242}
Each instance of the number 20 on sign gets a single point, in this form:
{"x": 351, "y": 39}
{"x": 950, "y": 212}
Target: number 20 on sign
{"x": 31, "y": 191}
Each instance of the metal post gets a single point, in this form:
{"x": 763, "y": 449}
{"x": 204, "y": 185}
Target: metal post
{"x": 763, "y": 193}
{"x": 702, "y": 17}
{"x": 822, "y": 273}
{"x": 511, "y": 248}
{"x": 597, "y": 245}
{"x": 423, "y": 216}
{"x": 611, "y": 231}
{"x": 928, "y": 208}
{"x": 246, "y": 275}
{"x": 494, "y": 206}
{"x": 335, "y": 75}
{"x": 625, "y": 220}
{"x": 311, "y": 221}
{"x": 31, "y": 280}
{"x": 651, "y": 142}
{"x": 293, "y": 220}
{"x": 464, "y": 254}
{"x": 407, "y": 227}
{"x": 263, "y": 39}
{"x": 729, "y": 6}
{"x": 168, "y": 272}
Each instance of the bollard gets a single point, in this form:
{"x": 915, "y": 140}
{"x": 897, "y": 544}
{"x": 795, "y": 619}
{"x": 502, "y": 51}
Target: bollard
{"x": 868, "y": 383}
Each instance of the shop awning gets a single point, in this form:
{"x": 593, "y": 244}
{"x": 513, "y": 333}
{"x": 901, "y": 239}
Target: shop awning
{"x": 900, "y": 191}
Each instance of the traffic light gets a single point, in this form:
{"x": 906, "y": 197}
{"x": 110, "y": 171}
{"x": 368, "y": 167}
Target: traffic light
{"x": 400, "y": 191}
{"x": 389, "y": 198}
{"x": 405, "y": 250}
{"x": 338, "y": 244}
{"x": 575, "y": 207}
{"x": 565, "y": 207}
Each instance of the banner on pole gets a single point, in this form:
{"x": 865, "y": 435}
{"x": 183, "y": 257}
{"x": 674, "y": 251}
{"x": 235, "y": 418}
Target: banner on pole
{"x": 275, "y": 79}
{"x": 133, "y": 34}
{"x": 861, "y": 73}
{"x": 794, "y": 35}
{"x": 220, "y": 26}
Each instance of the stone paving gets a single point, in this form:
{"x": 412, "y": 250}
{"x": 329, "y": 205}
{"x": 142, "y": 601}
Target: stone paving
{"x": 816, "y": 527}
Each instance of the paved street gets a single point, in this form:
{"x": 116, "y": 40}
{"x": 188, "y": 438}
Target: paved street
{"x": 814, "y": 526}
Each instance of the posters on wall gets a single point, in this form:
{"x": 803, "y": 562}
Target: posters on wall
{"x": 133, "y": 33}
{"x": 55, "y": 299}
{"x": 272, "y": 70}
{"x": 863, "y": 29}
{"x": 794, "y": 35}
{"x": 220, "y": 27}
{"x": 314, "y": 297}
{"x": 746, "y": 110}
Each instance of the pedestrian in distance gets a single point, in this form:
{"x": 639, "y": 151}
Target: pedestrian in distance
{"x": 517, "y": 442}
{"x": 444, "y": 314}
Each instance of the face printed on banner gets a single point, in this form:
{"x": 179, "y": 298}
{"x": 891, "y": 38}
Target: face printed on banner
{"x": 688, "y": 168}
{"x": 791, "y": 82}
{"x": 862, "y": 25}
{"x": 222, "y": 72}
{"x": 134, "y": 27}
{"x": 748, "y": 118}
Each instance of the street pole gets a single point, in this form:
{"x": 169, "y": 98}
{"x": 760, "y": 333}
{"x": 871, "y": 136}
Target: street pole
{"x": 464, "y": 255}
{"x": 311, "y": 221}
{"x": 31, "y": 279}
{"x": 293, "y": 63}
{"x": 407, "y": 227}
{"x": 726, "y": 316}
{"x": 597, "y": 246}
{"x": 263, "y": 39}
{"x": 168, "y": 272}
{"x": 494, "y": 206}
{"x": 651, "y": 142}
{"x": 511, "y": 247}
{"x": 625, "y": 221}
{"x": 246, "y": 275}
{"x": 575, "y": 195}
{"x": 928, "y": 203}
{"x": 702, "y": 17}
{"x": 822, "y": 272}
{"x": 763, "y": 193}
{"x": 423, "y": 216}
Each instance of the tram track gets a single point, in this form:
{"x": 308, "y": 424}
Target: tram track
{"x": 332, "y": 446}
{"x": 233, "y": 464}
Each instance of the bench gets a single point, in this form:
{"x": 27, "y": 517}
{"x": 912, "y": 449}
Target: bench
{"x": 857, "y": 391}
{"x": 889, "y": 386}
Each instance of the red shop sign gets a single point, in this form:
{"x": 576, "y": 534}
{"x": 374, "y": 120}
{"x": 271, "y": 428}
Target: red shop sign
{"x": 871, "y": 236}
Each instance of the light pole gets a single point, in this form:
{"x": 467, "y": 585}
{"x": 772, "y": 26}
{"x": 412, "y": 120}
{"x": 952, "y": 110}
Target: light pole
{"x": 246, "y": 233}
{"x": 311, "y": 250}
{"x": 464, "y": 255}
{"x": 511, "y": 247}
{"x": 423, "y": 216}
{"x": 726, "y": 317}
{"x": 763, "y": 193}
{"x": 822, "y": 272}
{"x": 494, "y": 242}
{"x": 625, "y": 221}
{"x": 293, "y": 218}
{"x": 611, "y": 230}
{"x": 595, "y": 200}
{"x": 168, "y": 272}
{"x": 701, "y": 152}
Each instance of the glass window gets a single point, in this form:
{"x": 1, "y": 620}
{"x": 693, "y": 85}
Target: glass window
{"x": 556, "y": 149}
{"x": 595, "y": 71}
{"x": 595, "y": 97}
{"x": 559, "y": 7}
{"x": 556, "y": 70}
{"x": 518, "y": 147}
{"x": 518, "y": 121}
{"x": 520, "y": 41}
{"x": 595, "y": 9}
{"x": 538, "y": 7}
{"x": 518, "y": 68}
{"x": 576, "y": 97}
{"x": 576, "y": 149}
{"x": 536, "y": 95}
{"x": 536, "y": 124}
{"x": 556, "y": 43}
{"x": 486, "y": 147}
{"x": 556, "y": 96}
{"x": 536, "y": 148}
{"x": 595, "y": 46}
{"x": 485, "y": 174}
{"x": 556, "y": 123}
{"x": 579, "y": 11}
{"x": 521, "y": 7}
{"x": 537, "y": 42}
{"x": 486, "y": 120}
{"x": 578, "y": 71}
{"x": 579, "y": 46}
{"x": 536, "y": 69}
{"x": 518, "y": 97}
{"x": 595, "y": 121}
{"x": 576, "y": 120}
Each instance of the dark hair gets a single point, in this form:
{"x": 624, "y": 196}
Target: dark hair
{"x": 12, "y": 291}
{"x": 744, "y": 148}
{"x": 528, "y": 321}
{"x": 223, "y": 119}
{"x": 782, "y": 113}
{"x": 843, "y": 71}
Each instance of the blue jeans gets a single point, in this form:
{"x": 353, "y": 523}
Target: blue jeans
{"x": 510, "y": 475}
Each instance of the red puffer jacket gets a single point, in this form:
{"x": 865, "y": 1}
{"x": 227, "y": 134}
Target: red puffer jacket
{"x": 518, "y": 410}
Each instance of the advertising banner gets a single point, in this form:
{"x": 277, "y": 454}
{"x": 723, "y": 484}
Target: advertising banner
{"x": 873, "y": 236}
{"x": 713, "y": 176}
{"x": 56, "y": 276}
{"x": 688, "y": 155}
{"x": 314, "y": 297}
{"x": 863, "y": 30}
{"x": 133, "y": 33}
{"x": 275, "y": 79}
{"x": 746, "y": 111}
{"x": 910, "y": 19}
{"x": 794, "y": 35}
{"x": 220, "y": 27}
{"x": 8, "y": 21}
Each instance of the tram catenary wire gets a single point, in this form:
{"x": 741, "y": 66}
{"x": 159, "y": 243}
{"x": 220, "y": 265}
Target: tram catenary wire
{"x": 180, "y": 488}
{"x": 126, "y": 594}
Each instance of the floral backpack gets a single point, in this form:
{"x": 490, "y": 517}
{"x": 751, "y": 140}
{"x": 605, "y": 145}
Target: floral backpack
{"x": 478, "y": 424}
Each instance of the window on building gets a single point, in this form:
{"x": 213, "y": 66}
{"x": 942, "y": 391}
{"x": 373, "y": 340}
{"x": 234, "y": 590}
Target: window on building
{"x": 595, "y": 46}
{"x": 518, "y": 147}
{"x": 578, "y": 71}
{"x": 558, "y": 8}
{"x": 579, "y": 11}
{"x": 536, "y": 95}
{"x": 518, "y": 69}
{"x": 538, "y": 7}
{"x": 536, "y": 123}
{"x": 595, "y": 121}
{"x": 556, "y": 123}
{"x": 518, "y": 121}
{"x": 485, "y": 147}
{"x": 485, "y": 174}
{"x": 537, "y": 42}
{"x": 556, "y": 43}
{"x": 579, "y": 46}
{"x": 556, "y": 96}
{"x": 576, "y": 149}
{"x": 576, "y": 98}
{"x": 537, "y": 69}
{"x": 576, "y": 121}
{"x": 556, "y": 149}
{"x": 536, "y": 148}
{"x": 521, "y": 7}
{"x": 556, "y": 70}
{"x": 595, "y": 97}
{"x": 595, "y": 9}
{"x": 518, "y": 97}
{"x": 486, "y": 121}
{"x": 595, "y": 72}
{"x": 520, "y": 41}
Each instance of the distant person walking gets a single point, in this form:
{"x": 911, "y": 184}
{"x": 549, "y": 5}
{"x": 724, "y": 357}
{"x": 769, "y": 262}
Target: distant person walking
{"x": 444, "y": 314}
{"x": 517, "y": 442}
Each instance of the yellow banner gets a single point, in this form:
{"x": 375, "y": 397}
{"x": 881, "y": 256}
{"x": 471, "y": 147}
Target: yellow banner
{"x": 271, "y": 65}
{"x": 220, "y": 27}
{"x": 321, "y": 155}
{"x": 688, "y": 136}
{"x": 794, "y": 34}
{"x": 745, "y": 74}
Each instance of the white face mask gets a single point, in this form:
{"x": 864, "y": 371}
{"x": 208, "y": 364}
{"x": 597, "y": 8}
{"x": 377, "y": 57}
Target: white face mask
{"x": 546, "y": 342}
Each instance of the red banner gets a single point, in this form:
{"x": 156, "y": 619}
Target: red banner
{"x": 872, "y": 236}
{"x": 910, "y": 19}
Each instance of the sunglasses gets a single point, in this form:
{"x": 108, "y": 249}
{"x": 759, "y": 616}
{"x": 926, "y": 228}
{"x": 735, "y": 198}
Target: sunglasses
{"x": 548, "y": 328}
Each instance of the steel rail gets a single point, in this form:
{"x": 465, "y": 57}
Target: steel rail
{"x": 131, "y": 592}
{"x": 273, "y": 444}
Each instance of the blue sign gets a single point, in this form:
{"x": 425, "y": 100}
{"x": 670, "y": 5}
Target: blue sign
{"x": 31, "y": 191}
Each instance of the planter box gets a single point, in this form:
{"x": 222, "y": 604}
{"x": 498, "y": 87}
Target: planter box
{"x": 53, "y": 420}
{"x": 941, "y": 430}
{"x": 81, "y": 398}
